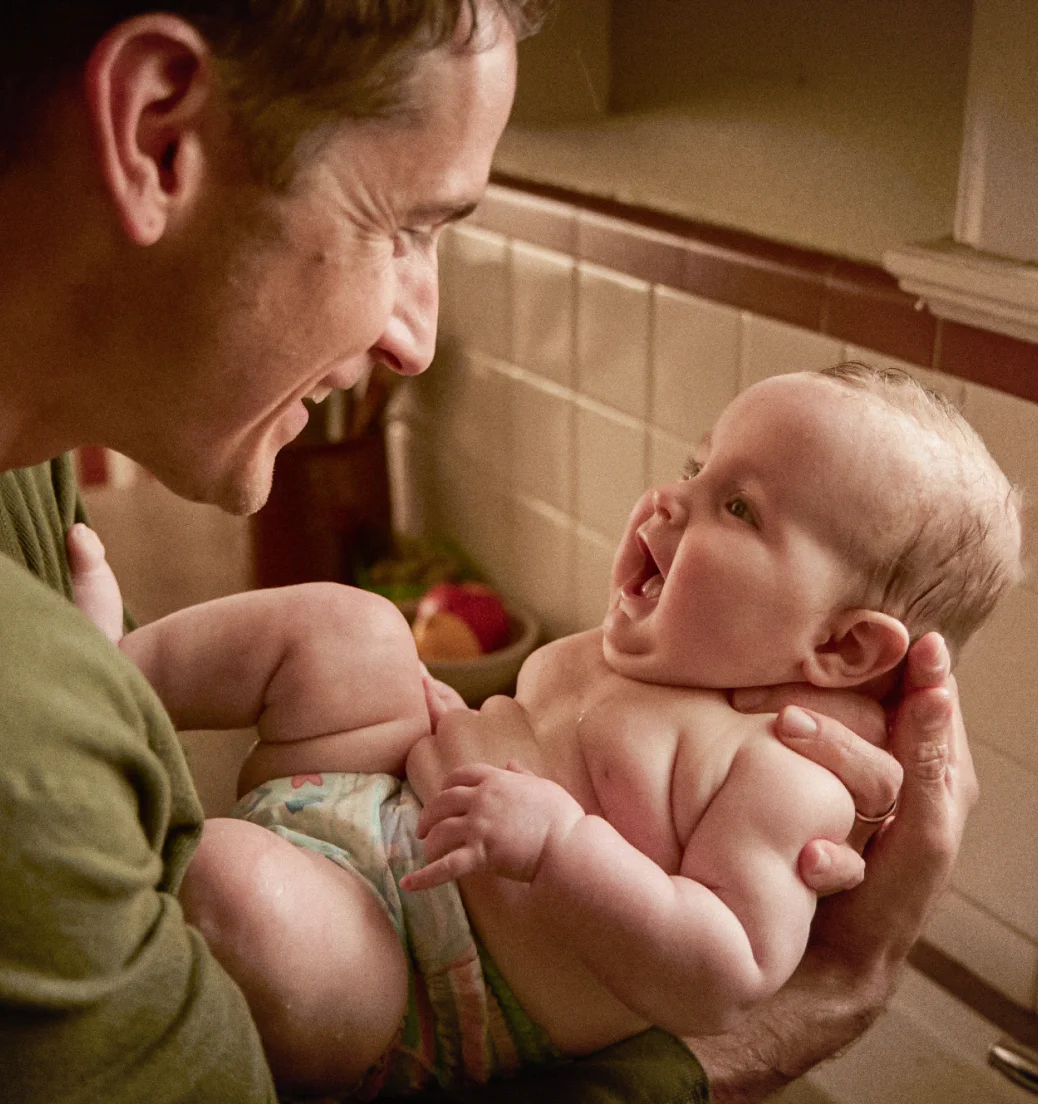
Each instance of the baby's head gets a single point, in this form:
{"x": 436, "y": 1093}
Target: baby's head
{"x": 826, "y": 521}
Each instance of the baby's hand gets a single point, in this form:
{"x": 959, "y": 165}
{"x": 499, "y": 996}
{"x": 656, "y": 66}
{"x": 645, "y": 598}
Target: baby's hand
{"x": 439, "y": 698}
{"x": 93, "y": 582}
{"x": 493, "y": 820}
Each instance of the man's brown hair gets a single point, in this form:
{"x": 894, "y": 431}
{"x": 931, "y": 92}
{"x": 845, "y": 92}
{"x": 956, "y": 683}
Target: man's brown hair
{"x": 288, "y": 66}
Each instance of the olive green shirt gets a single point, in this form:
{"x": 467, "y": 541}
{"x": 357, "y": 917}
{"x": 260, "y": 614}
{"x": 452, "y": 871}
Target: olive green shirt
{"x": 106, "y": 995}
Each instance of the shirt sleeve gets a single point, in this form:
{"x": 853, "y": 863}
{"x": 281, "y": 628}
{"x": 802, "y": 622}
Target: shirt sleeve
{"x": 651, "y": 1068}
{"x": 106, "y": 994}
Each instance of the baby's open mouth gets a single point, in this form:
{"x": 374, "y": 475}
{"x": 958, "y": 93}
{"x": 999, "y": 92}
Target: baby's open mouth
{"x": 648, "y": 581}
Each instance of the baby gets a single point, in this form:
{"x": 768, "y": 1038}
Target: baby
{"x": 621, "y": 851}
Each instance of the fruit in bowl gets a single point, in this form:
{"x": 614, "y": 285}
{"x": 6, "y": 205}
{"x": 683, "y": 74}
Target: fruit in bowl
{"x": 458, "y": 621}
{"x": 452, "y": 625}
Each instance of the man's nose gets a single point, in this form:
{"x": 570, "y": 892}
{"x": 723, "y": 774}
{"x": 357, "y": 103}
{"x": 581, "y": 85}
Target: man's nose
{"x": 409, "y": 339}
{"x": 669, "y": 505}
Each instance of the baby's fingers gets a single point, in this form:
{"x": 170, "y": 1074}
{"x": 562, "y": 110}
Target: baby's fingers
{"x": 455, "y": 864}
{"x": 453, "y": 802}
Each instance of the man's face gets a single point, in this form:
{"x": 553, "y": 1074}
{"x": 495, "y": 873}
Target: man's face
{"x": 304, "y": 291}
{"x": 733, "y": 575}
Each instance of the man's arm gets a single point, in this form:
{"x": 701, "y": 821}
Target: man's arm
{"x": 860, "y": 939}
{"x": 105, "y": 994}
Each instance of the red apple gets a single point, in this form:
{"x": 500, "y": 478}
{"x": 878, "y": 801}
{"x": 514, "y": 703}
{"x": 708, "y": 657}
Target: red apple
{"x": 476, "y": 605}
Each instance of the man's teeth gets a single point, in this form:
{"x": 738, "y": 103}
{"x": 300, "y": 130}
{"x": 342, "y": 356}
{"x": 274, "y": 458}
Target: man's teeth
{"x": 319, "y": 394}
{"x": 652, "y": 587}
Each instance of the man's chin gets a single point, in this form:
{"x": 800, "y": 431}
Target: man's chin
{"x": 238, "y": 492}
{"x": 244, "y": 497}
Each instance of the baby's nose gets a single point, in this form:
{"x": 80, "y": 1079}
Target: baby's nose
{"x": 669, "y": 506}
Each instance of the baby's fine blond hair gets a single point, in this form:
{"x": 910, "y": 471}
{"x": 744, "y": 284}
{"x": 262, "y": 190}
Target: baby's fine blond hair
{"x": 946, "y": 566}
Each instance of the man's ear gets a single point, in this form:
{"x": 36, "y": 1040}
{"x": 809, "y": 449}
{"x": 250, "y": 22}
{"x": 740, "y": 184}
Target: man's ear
{"x": 863, "y": 645}
{"x": 148, "y": 83}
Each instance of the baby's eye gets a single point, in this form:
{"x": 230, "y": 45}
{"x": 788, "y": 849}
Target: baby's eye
{"x": 738, "y": 508}
{"x": 692, "y": 469}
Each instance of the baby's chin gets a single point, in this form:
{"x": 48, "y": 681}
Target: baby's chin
{"x": 646, "y": 667}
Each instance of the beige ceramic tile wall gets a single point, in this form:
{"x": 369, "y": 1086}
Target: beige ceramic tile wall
{"x": 562, "y": 390}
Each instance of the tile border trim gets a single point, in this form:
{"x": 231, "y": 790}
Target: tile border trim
{"x": 1014, "y": 1019}
{"x": 848, "y": 300}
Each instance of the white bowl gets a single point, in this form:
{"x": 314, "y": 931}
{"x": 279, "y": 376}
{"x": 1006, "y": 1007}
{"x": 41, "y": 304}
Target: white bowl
{"x": 494, "y": 672}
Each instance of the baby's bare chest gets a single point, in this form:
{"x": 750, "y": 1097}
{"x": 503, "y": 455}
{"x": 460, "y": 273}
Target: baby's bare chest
{"x": 646, "y": 758}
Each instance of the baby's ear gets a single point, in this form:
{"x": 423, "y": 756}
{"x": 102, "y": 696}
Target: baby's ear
{"x": 863, "y": 645}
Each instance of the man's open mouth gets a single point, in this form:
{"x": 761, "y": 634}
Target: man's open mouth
{"x": 647, "y": 582}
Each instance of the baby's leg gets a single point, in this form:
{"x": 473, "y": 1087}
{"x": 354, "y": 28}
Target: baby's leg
{"x": 348, "y": 694}
{"x": 316, "y": 957}
{"x": 93, "y": 582}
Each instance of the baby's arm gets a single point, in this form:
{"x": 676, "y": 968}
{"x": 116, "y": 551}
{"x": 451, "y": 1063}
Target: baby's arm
{"x": 690, "y": 951}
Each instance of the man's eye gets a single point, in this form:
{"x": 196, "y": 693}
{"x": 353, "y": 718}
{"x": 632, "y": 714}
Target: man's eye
{"x": 738, "y": 508}
{"x": 414, "y": 237}
{"x": 692, "y": 469}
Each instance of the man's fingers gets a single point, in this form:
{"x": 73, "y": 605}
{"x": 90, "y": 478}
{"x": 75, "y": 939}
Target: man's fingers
{"x": 930, "y": 740}
{"x": 911, "y": 858}
{"x": 872, "y": 777}
{"x": 828, "y": 867}
{"x": 861, "y": 715}
{"x": 928, "y": 663}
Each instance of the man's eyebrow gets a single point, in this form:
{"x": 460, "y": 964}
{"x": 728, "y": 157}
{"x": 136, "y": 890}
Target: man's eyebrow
{"x": 435, "y": 214}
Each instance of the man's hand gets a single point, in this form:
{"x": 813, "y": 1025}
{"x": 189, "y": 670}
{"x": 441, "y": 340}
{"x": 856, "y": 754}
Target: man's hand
{"x": 912, "y": 854}
{"x": 493, "y": 820}
{"x": 859, "y": 939}
{"x": 846, "y": 733}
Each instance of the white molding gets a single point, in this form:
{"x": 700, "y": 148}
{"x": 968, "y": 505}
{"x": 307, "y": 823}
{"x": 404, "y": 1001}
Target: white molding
{"x": 995, "y": 210}
{"x": 966, "y": 285}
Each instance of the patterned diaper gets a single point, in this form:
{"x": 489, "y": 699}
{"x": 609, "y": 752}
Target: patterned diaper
{"x": 462, "y": 1025}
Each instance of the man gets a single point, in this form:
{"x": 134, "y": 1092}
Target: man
{"x": 208, "y": 214}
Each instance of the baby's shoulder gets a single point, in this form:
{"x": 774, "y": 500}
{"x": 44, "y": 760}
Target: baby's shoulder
{"x": 798, "y": 798}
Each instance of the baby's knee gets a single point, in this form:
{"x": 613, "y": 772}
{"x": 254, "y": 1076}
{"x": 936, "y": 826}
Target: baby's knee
{"x": 217, "y": 894}
{"x": 349, "y": 614}
{"x": 316, "y": 957}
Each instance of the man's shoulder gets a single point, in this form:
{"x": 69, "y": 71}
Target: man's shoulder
{"x": 32, "y": 610}
{"x": 37, "y": 507}
{"x": 59, "y": 672}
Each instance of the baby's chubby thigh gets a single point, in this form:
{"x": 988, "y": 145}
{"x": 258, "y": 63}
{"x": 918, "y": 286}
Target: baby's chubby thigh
{"x": 317, "y": 958}
{"x": 348, "y": 695}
